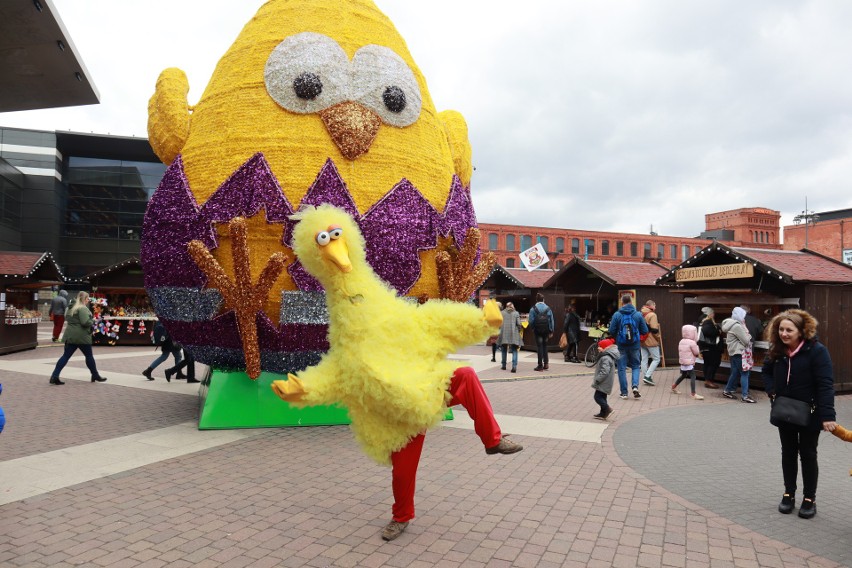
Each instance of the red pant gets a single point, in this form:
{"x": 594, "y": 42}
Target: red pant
{"x": 467, "y": 391}
{"x": 58, "y": 321}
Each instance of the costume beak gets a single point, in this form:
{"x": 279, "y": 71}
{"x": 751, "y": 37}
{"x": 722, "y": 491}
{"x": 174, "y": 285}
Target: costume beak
{"x": 352, "y": 126}
{"x": 337, "y": 252}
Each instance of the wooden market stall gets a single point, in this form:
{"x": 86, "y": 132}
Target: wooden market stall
{"x": 122, "y": 309}
{"x": 519, "y": 286}
{"x": 769, "y": 281}
{"x": 595, "y": 288}
{"x": 23, "y": 274}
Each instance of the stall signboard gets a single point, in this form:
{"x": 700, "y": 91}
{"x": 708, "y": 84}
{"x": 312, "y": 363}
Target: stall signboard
{"x": 717, "y": 272}
{"x": 847, "y": 256}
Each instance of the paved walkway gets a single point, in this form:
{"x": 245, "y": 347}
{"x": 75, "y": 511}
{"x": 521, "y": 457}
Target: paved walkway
{"x": 116, "y": 474}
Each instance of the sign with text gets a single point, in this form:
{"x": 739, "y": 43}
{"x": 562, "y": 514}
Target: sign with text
{"x": 847, "y": 256}
{"x": 718, "y": 272}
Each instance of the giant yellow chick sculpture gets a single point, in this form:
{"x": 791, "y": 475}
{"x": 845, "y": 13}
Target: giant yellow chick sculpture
{"x": 317, "y": 101}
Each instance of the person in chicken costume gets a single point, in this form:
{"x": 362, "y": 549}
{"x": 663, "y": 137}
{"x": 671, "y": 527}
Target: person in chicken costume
{"x": 316, "y": 101}
{"x": 387, "y": 359}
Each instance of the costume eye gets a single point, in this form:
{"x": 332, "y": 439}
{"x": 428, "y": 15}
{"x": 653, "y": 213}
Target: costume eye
{"x": 307, "y": 72}
{"x": 335, "y": 233}
{"x": 323, "y": 238}
{"x": 386, "y": 85}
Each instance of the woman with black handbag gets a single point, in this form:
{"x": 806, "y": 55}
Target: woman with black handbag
{"x": 799, "y": 380}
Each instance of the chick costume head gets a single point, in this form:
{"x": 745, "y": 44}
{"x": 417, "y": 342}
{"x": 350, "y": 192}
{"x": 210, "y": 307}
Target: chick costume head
{"x": 317, "y": 101}
{"x": 387, "y": 362}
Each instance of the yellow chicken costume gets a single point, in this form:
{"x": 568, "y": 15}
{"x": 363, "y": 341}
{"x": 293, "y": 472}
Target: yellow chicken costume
{"x": 387, "y": 361}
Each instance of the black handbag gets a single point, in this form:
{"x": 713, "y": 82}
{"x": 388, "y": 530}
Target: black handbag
{"x": 791, "y": 411}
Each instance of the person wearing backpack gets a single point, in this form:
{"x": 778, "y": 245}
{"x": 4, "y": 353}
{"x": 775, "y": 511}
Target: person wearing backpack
{"x": 541, "y": 320}
{"x": 626, "y": 326}
{"x": 163, "y": 340}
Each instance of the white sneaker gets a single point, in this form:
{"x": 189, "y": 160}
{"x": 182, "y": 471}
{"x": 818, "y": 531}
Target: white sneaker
{"x": 697, "y": 397}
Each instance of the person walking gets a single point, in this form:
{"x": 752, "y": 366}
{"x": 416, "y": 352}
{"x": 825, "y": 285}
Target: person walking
{"x": 626, "y": 326}
{"x": 604, "y": 375}
{"x": 710, "y": 345}
{"x": 738, "y": 340}
{"x": 650, "y": 345}
{"x": 687, "y": 351}
{"x": 510, "y": 335}
{"x": 188, "y": 363}
{"x": 541, "y": 320}
{"x": 163, "y": 340}
{"x": 571, "y": 329}
{"x": 58, "y": 305}
{"x": 798, "y": 366}
{"x": 78, "y": 335}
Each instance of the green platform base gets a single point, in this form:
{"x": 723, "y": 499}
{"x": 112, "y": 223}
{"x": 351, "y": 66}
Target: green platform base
{"x": 232, "y": 400}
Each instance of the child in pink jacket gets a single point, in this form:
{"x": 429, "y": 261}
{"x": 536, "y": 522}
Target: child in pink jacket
{"x": 687, "y": 351}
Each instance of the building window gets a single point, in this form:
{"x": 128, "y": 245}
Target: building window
{"x": 673, "y": 251}
{"x": 559, "y": 264}
{"x": 560, "y": 244}
{"x": 526, "y": 242}
{"x": 510, "y": 242}
{"x": 646, "y": 250}
{"x": 634, "y": 249}
{"x": 544, "y": 242}
{"x": 575, "y": 246}
{"x": 605, "y": 248}
{"x": 684, "y": 252}
{"x": 661, "y": 250}
{"x": 619, "y": 248}
{"x": 106, "y": 199}
{"x": 510, "y": 263}
{"x": 590, "y": 247}
{"x": 492, "y": 241}
{"x": 698, "y": 249}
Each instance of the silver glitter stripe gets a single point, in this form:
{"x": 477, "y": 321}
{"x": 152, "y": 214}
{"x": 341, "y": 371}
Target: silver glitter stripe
{"x": 275, "y": 362}
{"x": 303, "y": 307}
{"x": 185, "y": 304}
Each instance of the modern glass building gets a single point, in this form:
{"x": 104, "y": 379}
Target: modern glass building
{"x": 79, "y": 196}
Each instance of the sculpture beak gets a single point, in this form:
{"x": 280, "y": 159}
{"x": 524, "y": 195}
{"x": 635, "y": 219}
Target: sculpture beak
{"x": 352, "y": 126}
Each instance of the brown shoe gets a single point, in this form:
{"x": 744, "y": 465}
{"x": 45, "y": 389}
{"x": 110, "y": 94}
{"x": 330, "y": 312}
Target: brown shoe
{"x": 506, "y": 446}
{"x": 393, "y": 530}
{"x": 709, "y": 385}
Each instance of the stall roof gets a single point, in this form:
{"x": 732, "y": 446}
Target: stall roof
{"x": 790, "y": 266}
{"x": 616, "y": 272}
{"x": 526, "y": 279}
{"x": 17, "y": 267}
{"x": 129, "y": 263}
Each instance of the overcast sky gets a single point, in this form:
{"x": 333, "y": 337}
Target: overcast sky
{"x": 608, "y": 115}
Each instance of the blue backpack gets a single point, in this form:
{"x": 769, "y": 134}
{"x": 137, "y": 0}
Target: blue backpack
{"x": 627, "y": 334}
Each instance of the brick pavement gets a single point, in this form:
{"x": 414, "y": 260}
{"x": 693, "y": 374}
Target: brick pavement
{"x": 308, "y": 497}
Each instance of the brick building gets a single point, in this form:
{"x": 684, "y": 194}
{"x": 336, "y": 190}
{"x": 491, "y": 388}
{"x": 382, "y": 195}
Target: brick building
{"x": 755, "y": 227}
{"x": 829, "y": 235}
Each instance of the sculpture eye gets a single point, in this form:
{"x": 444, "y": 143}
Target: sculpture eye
{"x": 335, "y": 233}
{"x": 307, "y": 72}
{"x": 323, "y": 238}
{"x": 385, "y": 84}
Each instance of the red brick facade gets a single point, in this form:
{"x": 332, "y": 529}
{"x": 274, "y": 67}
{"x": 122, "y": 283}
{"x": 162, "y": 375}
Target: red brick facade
{"x": 829, "y": 237}
{"x": 755, "y": 226}
{"x": 506, "y": 241}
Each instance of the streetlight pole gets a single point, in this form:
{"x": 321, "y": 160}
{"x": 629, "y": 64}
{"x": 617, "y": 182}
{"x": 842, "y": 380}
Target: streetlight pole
{"x": 808, "y": 217}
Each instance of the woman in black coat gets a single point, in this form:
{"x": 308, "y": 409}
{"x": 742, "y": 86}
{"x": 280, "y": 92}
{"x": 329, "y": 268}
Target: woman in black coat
{"x": 710, "y": 343}
{"x": 798, "y": 366}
